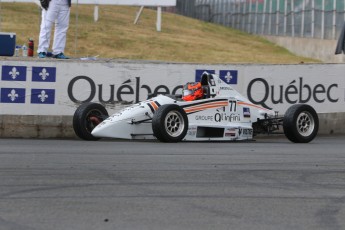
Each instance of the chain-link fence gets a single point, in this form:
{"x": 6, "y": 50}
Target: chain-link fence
{"x": 301, "y": 18}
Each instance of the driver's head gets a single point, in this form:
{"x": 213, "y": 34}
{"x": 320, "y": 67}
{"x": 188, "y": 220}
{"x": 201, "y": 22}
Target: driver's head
{"x": 192, "y": 91}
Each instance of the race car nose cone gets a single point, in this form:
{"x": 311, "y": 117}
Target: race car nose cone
{"x": 112, "y": 130}
{"x": 96, "y": 132}
{"x": 102, "y": 130}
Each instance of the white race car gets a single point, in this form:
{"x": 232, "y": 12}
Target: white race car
{"x": 222, "y": 114}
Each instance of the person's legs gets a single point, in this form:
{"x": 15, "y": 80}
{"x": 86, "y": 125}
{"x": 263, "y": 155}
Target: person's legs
{"x": 61, "y": 28}
{"x": 48, "y": 18}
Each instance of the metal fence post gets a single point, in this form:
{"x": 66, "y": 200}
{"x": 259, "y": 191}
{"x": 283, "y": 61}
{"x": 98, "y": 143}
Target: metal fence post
{"x": 285, "y": 17}
{"x": 302, "y": 19}
{"x": 334, "y": 18}
{"x": 312, "y": 18}
{"x": 292, "y": 18}
{"x": 238, "y": 26}
{"x": 250, "y": 16}
{"x": 226, "y": 13}
{"x": 232, "y": 16}
{"x": 256, "y": 17}
{"x": 263, "y": 17}
{"x": 323, "y": 19}
{"x": 270, "y": 19}
{"x": 0, "y": 16}
{"x": 235, "y": 13}
{"x": 244, "y": 5}
{"x": 277, "y": 17}
{"x": 218, "y": 12}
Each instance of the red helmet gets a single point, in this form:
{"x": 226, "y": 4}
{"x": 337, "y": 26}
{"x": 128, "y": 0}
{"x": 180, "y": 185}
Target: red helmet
{"x": 192, "y": 91}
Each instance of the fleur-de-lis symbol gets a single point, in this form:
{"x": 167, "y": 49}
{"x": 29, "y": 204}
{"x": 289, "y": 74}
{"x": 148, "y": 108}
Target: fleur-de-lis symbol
{"x": 13, "y": 95}
{"x": 228, "y": 77}
{"x": 44, "y": 74}
{"x": 14, "y": 73}
{"x": 43, "y": 96}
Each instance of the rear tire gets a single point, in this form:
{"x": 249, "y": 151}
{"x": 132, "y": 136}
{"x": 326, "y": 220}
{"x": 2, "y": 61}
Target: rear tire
{"x": 86, "y": 118}
{"x": 301, "y": 123}
{"x": 170, "y": 123}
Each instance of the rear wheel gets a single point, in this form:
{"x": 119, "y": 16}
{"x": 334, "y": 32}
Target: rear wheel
{"x": 301, "y": 123}
{"x": 170, "y": 123}
{"x": 86, "y": 118}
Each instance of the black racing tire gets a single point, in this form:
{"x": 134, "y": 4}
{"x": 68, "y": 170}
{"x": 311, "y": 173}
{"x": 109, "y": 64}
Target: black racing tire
{"x": 170, "y": 123}
{"x": 300, "y": 123}
{"x": 82, "y": 122}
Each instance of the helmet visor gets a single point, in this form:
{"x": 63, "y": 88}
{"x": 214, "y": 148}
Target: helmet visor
{"x": 187, "y": 92}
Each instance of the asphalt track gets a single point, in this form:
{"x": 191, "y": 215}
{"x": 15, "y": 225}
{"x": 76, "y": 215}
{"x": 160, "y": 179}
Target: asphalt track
{"x": 264, "y": 184}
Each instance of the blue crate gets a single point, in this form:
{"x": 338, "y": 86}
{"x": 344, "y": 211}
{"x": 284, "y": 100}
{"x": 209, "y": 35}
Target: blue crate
{"x": 7, "y": 44}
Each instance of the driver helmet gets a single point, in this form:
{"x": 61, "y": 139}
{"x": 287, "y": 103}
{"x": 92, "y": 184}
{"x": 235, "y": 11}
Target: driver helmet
{"x": 192, "y": 91}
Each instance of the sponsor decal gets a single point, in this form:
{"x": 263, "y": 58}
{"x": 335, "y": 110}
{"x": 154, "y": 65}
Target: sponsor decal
{"x": 42, "y": 96}
{"x": 231, "y": 132}
{"x": 129, "y": 91}
{"x": 233, "y": 117}
{"x": 228, "y": 116}
{"x": 199, "y": 72}
{"x": 13, "y": 73}
{"x": 246, "y": 112}
{"x": 251, "y": 105}
{"x": 12, "y": 95}
{"x": 127, "y": 88}
{"x": 297, "y": 91}
{"x": 203, "y": 118}
{"x": 233, "y": 106}
{"x": 245, "y": 132}
{"x": 43, "y": 74}
{"x": 153, "y": 105}
{"x": 225, "y": 88}
{"x": 229, "y": 76}
{"x": 192, "y": 131}
{"x": 200, "y": 106}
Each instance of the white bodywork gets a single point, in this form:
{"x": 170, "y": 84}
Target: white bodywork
{"x": 225, "y": 115}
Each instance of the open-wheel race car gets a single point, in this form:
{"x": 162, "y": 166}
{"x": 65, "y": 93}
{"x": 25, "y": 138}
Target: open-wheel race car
{"x": 221, "y": 114}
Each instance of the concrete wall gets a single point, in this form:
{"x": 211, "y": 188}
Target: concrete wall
{"x": 321, "y": 49}
{"x": 119, "y": 83}
{"x": 35, "y": 126}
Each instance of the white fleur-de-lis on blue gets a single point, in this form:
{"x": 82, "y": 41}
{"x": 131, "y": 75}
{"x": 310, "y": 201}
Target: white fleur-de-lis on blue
{"x": 13, "y": 95}
{"x": 43, "y": 96}
{"x": 44, "y": 74}
{"x": 14, "y": 73}
{"x": 228, "y": 77}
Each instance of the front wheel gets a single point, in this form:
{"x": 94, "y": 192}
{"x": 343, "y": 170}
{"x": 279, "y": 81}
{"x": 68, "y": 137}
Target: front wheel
{"x": 86, "y": 118}
{"x": 301, "y": 123}
{"x": 170, "y": 123}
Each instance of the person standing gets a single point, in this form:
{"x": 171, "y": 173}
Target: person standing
{"x": 58, "y": 12}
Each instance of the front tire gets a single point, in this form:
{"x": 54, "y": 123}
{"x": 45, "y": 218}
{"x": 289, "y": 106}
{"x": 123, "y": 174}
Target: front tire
{"x": 301, "y": 123}
{"x": 86, "y": 118}
{"x": 170, "y": 123}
